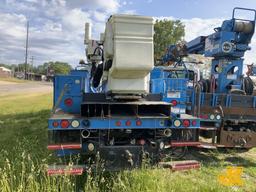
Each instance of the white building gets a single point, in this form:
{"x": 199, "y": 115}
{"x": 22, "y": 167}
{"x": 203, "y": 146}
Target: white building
{"x": 4, "y": 72}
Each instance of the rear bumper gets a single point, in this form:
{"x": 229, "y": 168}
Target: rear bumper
{"x": 120, "y": 123}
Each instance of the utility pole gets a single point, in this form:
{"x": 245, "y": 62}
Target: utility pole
{"x": 26, "y": 56}
{"x": 32, "y": 63}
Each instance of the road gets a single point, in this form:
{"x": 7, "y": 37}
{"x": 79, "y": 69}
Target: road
{"x": 8, "y": 88}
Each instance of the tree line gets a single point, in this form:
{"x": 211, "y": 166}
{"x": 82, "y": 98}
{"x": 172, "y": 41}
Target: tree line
{"x": 52, "y": 67}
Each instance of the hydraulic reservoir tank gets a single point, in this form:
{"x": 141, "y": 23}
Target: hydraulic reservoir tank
{"x": 128, "y": 43}
{"x": 244, "y": 27}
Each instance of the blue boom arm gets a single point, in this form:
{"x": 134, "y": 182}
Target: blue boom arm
{"x": 227, "y": 45}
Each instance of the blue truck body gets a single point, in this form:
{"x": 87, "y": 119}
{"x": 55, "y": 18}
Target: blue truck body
{"x": 176, "y": 113}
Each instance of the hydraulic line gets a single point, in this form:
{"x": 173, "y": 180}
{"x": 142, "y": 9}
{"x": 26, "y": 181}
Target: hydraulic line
{"x": 248, "y": 85}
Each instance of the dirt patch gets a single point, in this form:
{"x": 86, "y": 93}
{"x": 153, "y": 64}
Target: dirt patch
{"x": 7, "y": 83}
{"x": 7, "y": 88}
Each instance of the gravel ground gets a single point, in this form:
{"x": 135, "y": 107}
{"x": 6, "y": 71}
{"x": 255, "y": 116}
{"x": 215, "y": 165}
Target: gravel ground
{"x": 7, "y": 88}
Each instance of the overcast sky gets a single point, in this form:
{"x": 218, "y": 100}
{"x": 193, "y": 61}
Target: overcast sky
{"x": 57, "y": 26}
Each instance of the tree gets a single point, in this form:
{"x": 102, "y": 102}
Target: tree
{"x": 167, "y": 32}
{"x": 21, "y": 67}
{"x": 6, "y": 66}
{"x": 56, "y": 67}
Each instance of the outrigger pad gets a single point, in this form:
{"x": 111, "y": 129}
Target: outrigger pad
{"x": 117, "y": 158}
{"x": 65, "y": 170}
{"x": 181, "y": 165}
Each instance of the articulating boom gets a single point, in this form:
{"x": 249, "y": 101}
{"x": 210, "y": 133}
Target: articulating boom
{"x": 224, "y": 103}
{"x": 227, "y": 46}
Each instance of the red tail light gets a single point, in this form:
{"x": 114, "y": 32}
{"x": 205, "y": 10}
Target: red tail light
{"x": 174, "y": 103}
{"x": 186, "y": 123}
{"x": 194, "y": 122}
{"x": 118, "y": 123}
{"x": 55, "y": 124}
{"x": 68, "y": 102}
{"x": 128, "y": 123}
{"x": 138, "y": 123}
{"x": 64, "y": 123}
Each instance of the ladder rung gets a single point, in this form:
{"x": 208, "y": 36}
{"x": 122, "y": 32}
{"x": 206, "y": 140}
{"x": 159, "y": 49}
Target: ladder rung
{"x": 64, "y": 146}
{"x": 184, "y": 143}
{"x": 208, "y": 128}
{"x": 207, "y": 146}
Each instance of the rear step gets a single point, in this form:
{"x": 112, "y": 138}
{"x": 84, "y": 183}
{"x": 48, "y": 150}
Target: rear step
{"x": 65, "y": 170}
{"x": 64, "y": 146}
{"x": 181, "y": 165}
{"x": 207, "y": 146}
{"x": 184, "y": 144}
{"x": 193, "y": 144}
{"x": 208, "y": 128}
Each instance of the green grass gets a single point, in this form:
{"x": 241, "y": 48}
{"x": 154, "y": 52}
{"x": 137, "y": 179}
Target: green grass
{"x": 23, "y": 103}
{"x": 23, "y": 159}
